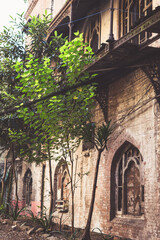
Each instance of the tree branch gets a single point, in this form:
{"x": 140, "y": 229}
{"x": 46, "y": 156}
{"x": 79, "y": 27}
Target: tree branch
{"x": 57, "y": 93}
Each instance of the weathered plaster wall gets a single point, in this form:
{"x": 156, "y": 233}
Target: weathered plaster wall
{"x": 36, "y": 186}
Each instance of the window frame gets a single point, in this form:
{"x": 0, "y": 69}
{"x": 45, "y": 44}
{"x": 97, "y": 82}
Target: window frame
{"x": 125, "y": 161}
{"x": 61, "y": 203}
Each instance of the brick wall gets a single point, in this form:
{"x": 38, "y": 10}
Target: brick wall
{"x": 138, "y": 127}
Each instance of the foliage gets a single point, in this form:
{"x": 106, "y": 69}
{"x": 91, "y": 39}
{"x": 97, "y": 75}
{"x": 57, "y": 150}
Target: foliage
{"x": 2, "y": 209}
{"x": 61, "y": 116}
{"x": 44, "y": 219}
{"x": 32, "y": 74}
{"x": 97, "y": 135}
{"x": 28, "y": 74}
{"x": 15, "y": 211}
{"x": 33, "y": 216}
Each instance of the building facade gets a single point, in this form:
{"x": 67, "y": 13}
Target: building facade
{"x": 124, "y": 35}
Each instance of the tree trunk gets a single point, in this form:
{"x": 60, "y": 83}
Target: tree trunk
{"x": 51, "y": 187}
{"x": 72, "y": 191}
{"x": 9, "y": 190}
{"x": 3, "y": 178}
{"x": 15, "y": 177}
{"x": 86, "y": 234}
{"x": 42, "y": 189}
{"x": 10, "y": 180}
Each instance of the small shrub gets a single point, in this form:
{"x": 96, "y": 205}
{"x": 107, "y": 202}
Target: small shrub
{"x": 2, "y": 210}
{"x": 43, "y": 219}
{"x": 15, "y": 211}
{"x": 33, "y": 217}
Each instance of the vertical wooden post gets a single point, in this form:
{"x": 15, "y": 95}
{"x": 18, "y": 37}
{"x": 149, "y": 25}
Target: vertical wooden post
{"x": 71, "y": 24}
{"x": 111, "y": 35}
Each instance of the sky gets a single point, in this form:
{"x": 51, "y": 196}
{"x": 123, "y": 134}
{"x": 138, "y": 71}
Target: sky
{"x": 10, "y": 7}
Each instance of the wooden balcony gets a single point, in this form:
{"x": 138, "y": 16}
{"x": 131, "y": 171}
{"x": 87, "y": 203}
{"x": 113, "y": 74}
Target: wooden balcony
{"x": 123, "y": 54}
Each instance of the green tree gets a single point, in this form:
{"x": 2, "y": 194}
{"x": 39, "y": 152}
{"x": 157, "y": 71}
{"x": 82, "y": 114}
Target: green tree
{"x": 62, "y": 116}
{"x": 43, "y": 67}
{"x": 11, "y": 49}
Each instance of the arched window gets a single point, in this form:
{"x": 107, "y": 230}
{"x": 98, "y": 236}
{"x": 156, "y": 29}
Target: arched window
{"x": 128, "y": 183}
{"x": 131, "y": 12}
{"x": 61, "y": 187}
{"x": 27, "y": 187}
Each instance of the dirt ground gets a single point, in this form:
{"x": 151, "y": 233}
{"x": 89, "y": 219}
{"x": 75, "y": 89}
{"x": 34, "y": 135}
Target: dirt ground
{"x": 25, "y": 230}
{"x": 6, "y": 233}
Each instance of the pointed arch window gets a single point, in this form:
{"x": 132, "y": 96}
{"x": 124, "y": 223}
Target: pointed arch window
{"x": 27, "y": 187}
{"x": 129, "y": 187}
{"x": 61, "y": 188}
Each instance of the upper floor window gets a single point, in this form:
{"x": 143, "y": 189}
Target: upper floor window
{"x": 128, "y": 183}
{"x": 131, "y": 12}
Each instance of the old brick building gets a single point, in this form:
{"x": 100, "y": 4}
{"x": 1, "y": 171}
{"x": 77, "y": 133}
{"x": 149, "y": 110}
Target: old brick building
{"x": 124, "y": 35}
